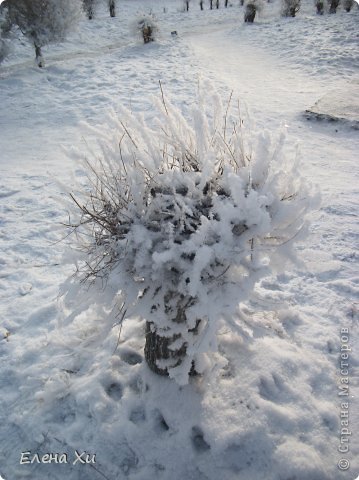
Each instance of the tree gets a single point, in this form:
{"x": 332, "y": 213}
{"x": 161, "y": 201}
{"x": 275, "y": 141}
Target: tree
{"x": 44, "y": 21}
{"x": 89, "y": 7}
{"x": 252, "y": 7}
{"x": 180, "y": 220}
{"x": 112, "y": 6}
{"x": 334, "y": 4}
{"x": 290, "y": 8}
{"x": 250, "y": 13}
{"x": 320, "y": 7}
{"x": 348, "y": 5}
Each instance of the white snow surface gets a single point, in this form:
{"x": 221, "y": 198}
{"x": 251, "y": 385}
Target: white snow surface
{"x": 270, "y": 408}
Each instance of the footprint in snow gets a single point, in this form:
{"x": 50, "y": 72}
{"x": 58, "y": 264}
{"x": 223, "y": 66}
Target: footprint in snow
{"x": 131, "y": 357}
{"x": 25, "y": 289}
{"x": 115, "y": 390}
{"x": 198, "y": 441}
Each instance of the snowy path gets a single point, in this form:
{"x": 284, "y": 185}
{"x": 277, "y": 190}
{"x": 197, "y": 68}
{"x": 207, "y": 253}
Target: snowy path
{"x": 270, "y": 409}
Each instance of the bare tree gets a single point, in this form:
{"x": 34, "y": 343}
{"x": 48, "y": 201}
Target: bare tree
{"x": 89, "y": 7}
{"x": 320, "y": 7}
{"x": 250, "y": 13}
{"x": 348, "y": 5}
{"x": 290, "y": 8}
{"x": 112, "y": 6}
{"x": 334, "y": 4}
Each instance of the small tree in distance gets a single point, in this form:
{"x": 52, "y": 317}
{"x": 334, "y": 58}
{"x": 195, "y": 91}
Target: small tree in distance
{"x": 112, "y": 7}
{"x": 44, "y": 21}
{"x": 334, "y": 4}
{"x": 320, "y": 7}
{"x": 180, "y": 220}
{"x": 290, "y": 8}
{"x": 89, "y": 7}
{"x": 251, "y": 8}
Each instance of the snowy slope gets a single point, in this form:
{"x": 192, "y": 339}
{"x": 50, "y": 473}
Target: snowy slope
{"x": 270, "y": 409}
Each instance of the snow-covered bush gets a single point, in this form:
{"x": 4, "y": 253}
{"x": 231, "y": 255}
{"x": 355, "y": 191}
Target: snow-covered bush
{"x": 44, "y": 21}
{"x": 290, "y": 8}
{"x": 180, "y": 219}
{"x": 145, "y": 27}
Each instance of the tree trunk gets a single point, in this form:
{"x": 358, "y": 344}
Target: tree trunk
{"x": 217, "y": 3}
{"x": 333, "y": 6}
{"x": 226, "y": 3}
{"x": 112, "y": 8}
{"x": 39, "y": 57}
{"x": 250, "y": 13}
{"x": 201, "y": 5}
{"x": 320, "y": 7}
{"x": 211, "y": 4}
{"x": 158, "y": 347}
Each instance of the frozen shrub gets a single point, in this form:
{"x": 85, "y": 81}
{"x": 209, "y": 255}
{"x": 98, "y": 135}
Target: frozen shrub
{"x": 145, "y": 26}
{"x": 290, "y": 8}
{"x": 180, "y": 219}
{"x": 44, "y": 21}
{"x": 250, "y": 13}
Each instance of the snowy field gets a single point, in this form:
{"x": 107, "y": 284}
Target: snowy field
{"x": 270, "y": 409}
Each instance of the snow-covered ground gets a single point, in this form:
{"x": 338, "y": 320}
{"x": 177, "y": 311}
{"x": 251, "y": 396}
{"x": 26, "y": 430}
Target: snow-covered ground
{"x": 270, "y": 410}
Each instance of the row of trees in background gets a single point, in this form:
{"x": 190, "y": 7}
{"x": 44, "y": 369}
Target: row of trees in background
{"x": 43, "y": 21}
{"x": 90, "y": 7}
{"x": 289, "y": 7}
{"x": 48, "y": 21}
